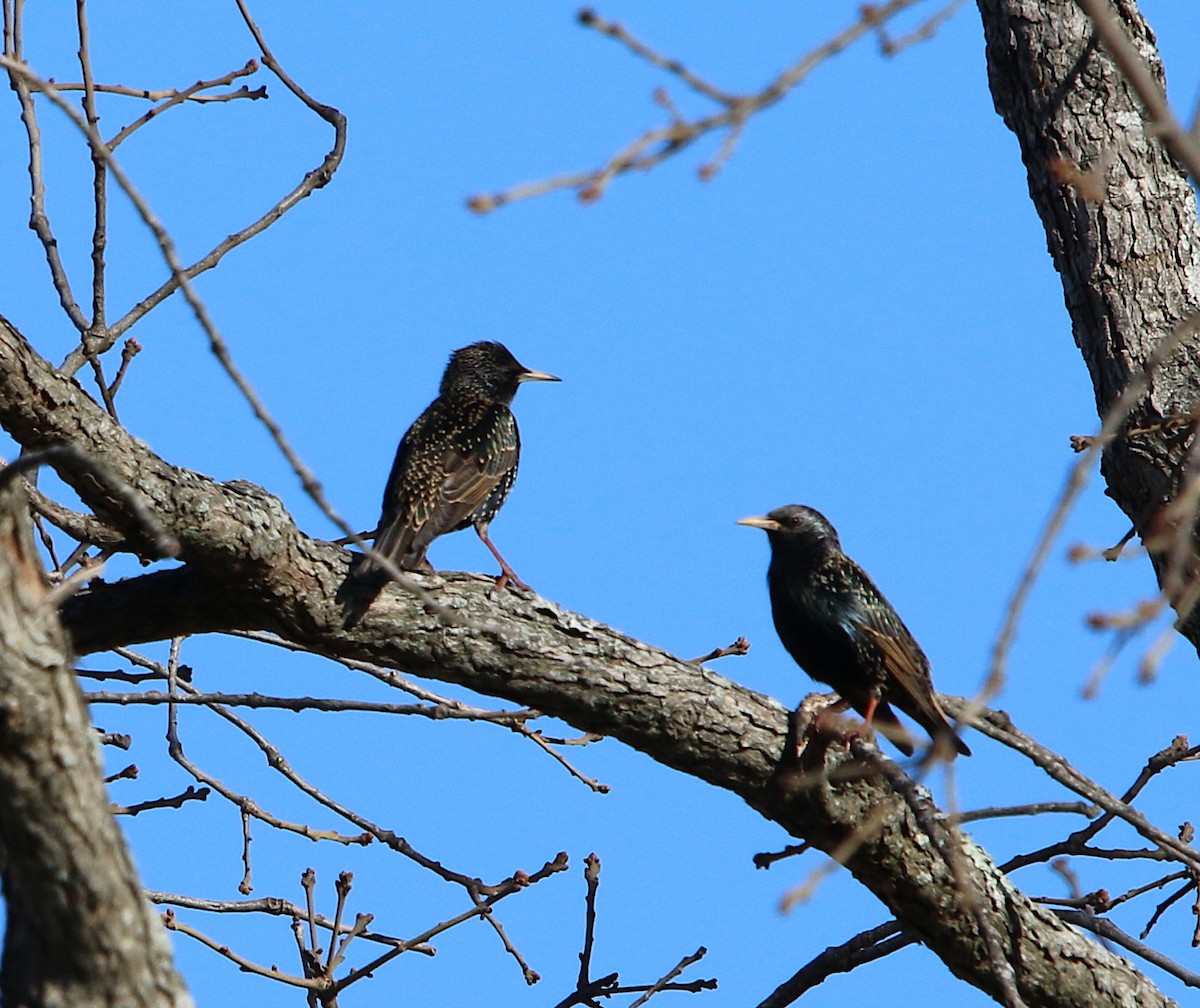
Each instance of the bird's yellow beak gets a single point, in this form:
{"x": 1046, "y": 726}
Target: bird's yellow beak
{"x": 760, "y": 521}
{"x": 525, "y": 376}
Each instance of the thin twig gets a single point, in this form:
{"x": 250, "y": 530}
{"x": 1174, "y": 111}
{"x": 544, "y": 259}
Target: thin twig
{"x": 371, "y": 830}
{"x": 170, "y": 99}
{"x": 865, "y": 947}
{"x": 244, "y": 802}
{"x": 1107, "y": 929}
{"x": 1002, "y": 968}
{"x": 260, "y": 701}
{"x": 181, "y": 280}
{"x": 543, "y": 743}
{"x": 664, "y": 982}
{"x": 999, "y": 726}
{"x": 1141, "y": 890}
{"x": 246, "y": 885}
{"x": 187, "y": 94}
{"x": 274, "y": 906}
{"x": 767, "y": 858}
{"x": 130, "y": 350}
{"x": 590, "y": 19}
{"x": 922, "y": 33}
{"x": 657, "y": 144}
{"x": 530, "y": 975}
{"x": 245, "y": 965}
{"x": 1076, "y": 481}
{"x": 191, "y": 794}
{"x": 14, "y": 62}
{"x": 591, "y": 875}
{"x": 1032, "y": 809}
{"x": 739, "y": 647}
{"x": 161, "y": 542}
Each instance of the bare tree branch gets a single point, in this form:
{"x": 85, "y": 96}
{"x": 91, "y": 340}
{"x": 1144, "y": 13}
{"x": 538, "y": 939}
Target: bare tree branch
{"x": 658, "y": 144}
{"x": 859, "y": 950}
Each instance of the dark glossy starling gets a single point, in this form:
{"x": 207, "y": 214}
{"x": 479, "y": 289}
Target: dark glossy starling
{"x": 841, "y": 630}
{"x": 455, "y": 465}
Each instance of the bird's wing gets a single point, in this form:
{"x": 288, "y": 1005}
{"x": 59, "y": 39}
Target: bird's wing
{"x": 445, "y": 468}
{"x": 474, "y": 463}
{"x": 902, "y": 658}
{"x": 870, "y": 618}
{"x": 907, "y": 669}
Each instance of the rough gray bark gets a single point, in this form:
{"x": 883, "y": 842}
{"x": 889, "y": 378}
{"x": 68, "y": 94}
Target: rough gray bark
{"x": 1130, "y": 265}
{"x": 79, "y": 933}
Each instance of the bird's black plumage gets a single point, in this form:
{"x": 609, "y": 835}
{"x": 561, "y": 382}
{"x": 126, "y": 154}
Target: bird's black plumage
{"x": 454, "y": 467}
{"x": 842, "y": 631}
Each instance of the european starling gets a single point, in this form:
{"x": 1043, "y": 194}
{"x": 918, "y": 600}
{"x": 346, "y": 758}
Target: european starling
{"x": 841, "y": 630}
{"x": 454, "y": 467}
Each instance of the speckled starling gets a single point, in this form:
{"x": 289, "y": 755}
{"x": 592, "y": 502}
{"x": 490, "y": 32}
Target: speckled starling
{"x": 841, "y": 630}
{"x": 455, "y": 465}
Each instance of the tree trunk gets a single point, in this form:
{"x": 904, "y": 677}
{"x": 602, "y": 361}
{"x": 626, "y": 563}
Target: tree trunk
{"x": 1124, "y": 240}
{"x": 79, "y": 932}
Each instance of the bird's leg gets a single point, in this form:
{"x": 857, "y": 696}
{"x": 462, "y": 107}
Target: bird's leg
{"x": 872, "y": 703}
{"x": 873, "y": 698}
{"x": 507, "y": 576}
{"x": 829, "y": 726}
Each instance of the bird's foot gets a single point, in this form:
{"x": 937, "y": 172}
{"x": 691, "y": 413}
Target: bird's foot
{"x": 507, "y": 575}
{"x": 829, "y": 725}
{"x": 505, "y": 578}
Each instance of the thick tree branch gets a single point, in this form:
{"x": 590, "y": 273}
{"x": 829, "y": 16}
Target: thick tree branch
{"x": 686, "y": 717}
{"x": 235, "y": 531}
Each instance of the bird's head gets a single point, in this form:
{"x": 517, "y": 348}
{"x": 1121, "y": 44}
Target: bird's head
{"x": 797, "y": 529}
{"x": 487, "y": 369}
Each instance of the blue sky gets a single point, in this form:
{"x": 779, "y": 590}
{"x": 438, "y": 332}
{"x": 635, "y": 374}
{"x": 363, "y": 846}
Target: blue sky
{"x": 858, "y": 314}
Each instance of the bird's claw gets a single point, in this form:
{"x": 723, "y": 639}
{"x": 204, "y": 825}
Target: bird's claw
{"x": 506, "y": 578}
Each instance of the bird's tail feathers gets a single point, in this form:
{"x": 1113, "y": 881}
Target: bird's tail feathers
{"x": 929, "y": 715}
{"x": 367, "y": 577}
{"x": 946, "y": 742}
{"x": 361, "y": 587}
{"x": 889, "y": 726}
